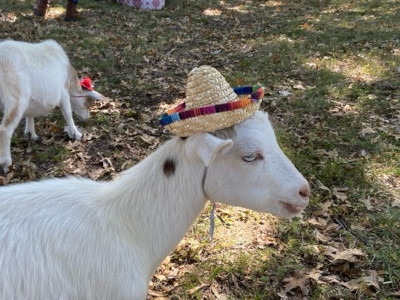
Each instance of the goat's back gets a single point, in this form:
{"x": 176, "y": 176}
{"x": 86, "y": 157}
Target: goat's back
{"x": 56, "y": 242}
{"x": 40, "y": 71}
{"x": 28, "y": 56}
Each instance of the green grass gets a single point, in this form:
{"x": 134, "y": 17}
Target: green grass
{"x": 339, "y": 60}
{"x": 53, "y": 153}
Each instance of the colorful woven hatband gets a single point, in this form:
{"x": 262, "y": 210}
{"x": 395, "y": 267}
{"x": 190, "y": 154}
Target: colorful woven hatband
{"x": 211, "y": 104}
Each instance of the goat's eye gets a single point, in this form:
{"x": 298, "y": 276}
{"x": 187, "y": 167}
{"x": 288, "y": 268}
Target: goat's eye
{"x": 252, "y": 157}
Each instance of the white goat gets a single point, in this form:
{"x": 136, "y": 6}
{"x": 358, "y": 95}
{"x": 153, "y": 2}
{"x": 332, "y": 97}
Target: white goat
{"x": 74, "y": 238}
{"x": 34, "y": 79}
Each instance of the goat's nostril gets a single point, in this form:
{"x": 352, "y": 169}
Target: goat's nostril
{"x": 305, "y": 191}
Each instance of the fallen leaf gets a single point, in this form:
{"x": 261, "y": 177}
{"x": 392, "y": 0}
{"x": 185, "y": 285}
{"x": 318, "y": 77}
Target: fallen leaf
{"x": 217, "y": 295}
{"x": 160, "y": 277}
{"x": 366, "y": 131}
{"x": 197, "y": 288}
{"x": 321, "y": 186}
{"x": 299, "y": 86}
{"x": 49, "y": 141}
{"x": 107, "y": 164}
{"x": 294, "y": 283}
{"x": 318, "y": 222}
{"x": 147, "y": 138}
{"x": 357, "y": 227}
{"x": 96, "y": 173}
{"x": 332, "y": 227}
{"x": 367, "y": 203}
{"x": 313, "y": 248}
{"x": 370, "y": 281}
{"x": 331, "y": 279}
{"x": 396, "y": 203}
{"x": 349, "y": 255}
{"x": 325, "y": 206}
{"x": 6, "y": 179}
{"x": 340, "y": 193}
{"x": 282, "y": 295}
{"x": 321, "y": 238}
{"x": 315, "y": 275}
{"x": 284, "y": 93}
{"x": 395, "y": 294}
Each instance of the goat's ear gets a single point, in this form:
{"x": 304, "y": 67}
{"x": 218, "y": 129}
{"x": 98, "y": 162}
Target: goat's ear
{"x": 96, "y": 95}
{"x": 207, "y": 146}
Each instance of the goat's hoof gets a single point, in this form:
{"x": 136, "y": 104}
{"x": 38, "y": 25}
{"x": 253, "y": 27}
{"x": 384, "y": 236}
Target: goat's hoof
{"x": 6, "y": 169}
{"x": 73, "y": 134}
{"x": 76, "y": 136}
{"x": 34, "y": 137}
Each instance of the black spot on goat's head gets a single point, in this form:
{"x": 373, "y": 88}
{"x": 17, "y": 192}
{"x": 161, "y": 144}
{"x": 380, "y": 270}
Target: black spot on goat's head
{"x": 169, "y": 167}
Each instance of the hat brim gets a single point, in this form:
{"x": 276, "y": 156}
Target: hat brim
{"x": 213, "y": 122}
{"x": 211, "y": 118}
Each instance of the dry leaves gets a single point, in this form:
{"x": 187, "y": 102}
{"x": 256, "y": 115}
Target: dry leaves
{"x": 294, "y": 283}
{"x": 371, "y": 282}
{"x": 343, "y": 257}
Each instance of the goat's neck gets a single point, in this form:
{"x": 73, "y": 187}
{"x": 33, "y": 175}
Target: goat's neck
{"x": 158, "y": 207}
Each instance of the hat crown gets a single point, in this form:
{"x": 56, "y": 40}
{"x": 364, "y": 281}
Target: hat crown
{"x": 211, "y": 104}
{"x": 206, "y": 86}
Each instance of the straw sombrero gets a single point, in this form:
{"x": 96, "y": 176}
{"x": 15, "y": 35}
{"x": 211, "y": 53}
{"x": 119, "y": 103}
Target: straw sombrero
{"x": 211, "y": 104}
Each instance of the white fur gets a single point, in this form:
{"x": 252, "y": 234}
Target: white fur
{"x": 34, "y": 79}
{"x": 74, "y": 238}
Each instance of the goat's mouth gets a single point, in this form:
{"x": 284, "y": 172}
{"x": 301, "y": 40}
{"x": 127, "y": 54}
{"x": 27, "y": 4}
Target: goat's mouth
{"x": 293, "y": 209}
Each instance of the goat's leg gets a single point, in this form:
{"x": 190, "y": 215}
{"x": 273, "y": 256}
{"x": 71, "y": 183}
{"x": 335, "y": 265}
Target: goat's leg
{"x": 30, "y": 127}
{"x": 5, "y": 151}
{"x": 71, "y": 129}
{"x": 11, "y": 118}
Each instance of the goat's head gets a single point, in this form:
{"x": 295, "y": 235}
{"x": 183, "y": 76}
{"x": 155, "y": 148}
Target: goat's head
{"x": 81, "y": 101}
{"x": 247, "y": 168}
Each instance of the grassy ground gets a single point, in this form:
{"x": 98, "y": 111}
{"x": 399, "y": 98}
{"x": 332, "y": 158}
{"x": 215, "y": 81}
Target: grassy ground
{"x": 331, "y": 72}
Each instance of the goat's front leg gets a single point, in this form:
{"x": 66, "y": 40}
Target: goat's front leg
{"x": 71, "y": 129}
{"x": 30, "y": 127}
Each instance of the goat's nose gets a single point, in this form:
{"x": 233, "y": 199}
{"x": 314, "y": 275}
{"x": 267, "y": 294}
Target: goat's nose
{"x": 304, "y": 191}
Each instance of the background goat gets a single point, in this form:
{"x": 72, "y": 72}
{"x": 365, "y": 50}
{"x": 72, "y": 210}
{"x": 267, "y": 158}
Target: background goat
{"x": 75, "y": 238}
{"x": 34, "y": 79}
